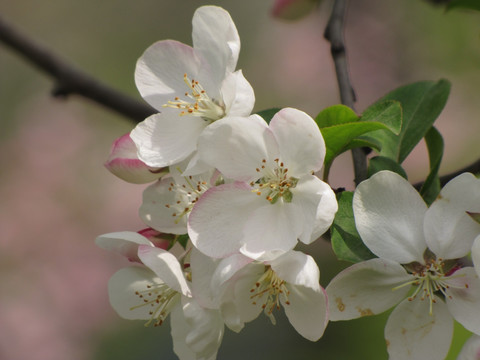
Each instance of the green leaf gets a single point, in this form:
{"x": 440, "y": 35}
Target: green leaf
{"x": 341, "y": 127}
{"x": 346, "y": 242}
{"x": 182, "y": 240}
{"x": 421, "y": 103}
{"x": 268, "y": 114}
{"x": 388, "y": 112}
{"x": 431, "y": 187}
{"x": 380, "y": 163}
{"x": 465, "y": 4}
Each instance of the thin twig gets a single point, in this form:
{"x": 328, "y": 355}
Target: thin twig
{"x": 473, "y": 168}
{"x": 70, "y": 80}
{"x": 334, "y": 34}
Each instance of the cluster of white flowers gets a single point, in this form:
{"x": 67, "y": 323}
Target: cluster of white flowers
{"x": 243, "y": 192}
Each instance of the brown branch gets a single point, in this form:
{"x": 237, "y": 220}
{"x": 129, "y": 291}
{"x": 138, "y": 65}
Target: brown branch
{"x": 70, "y": 80}
{"x": 473, "y": 168}
{"x": 334, "y": 34}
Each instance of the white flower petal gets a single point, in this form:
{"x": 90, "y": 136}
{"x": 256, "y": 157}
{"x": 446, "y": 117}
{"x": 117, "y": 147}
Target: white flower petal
{"x": 471, "y": 349}
{"x": 307, "y": 311}
{"x": 272, "y": 229}
{"x": 154, "y": 211}
{"x": 167, "y": 138}
{"x": 464, "y": 298}
{"x": 216, "y": 38}
{"x": 159, "y": 74}
{"x": 237, "y": 95}
{"x": 476, "y": 254}
{"x": 298, "y": 269}
{"x": 166, "y": 266}
{"x": 366, "y": 288}
{"x": 216, "y": 223}
{"x": 389, "y": 216}
{"x": 203, "y": 268}
{"x": 125, "y": 243}
{"x": 179, "y": 331}
{"x": 412, "y": 333}
{"x": 319, "y": 205}
{"x": 247, "y": 308}
{"x": 236, "y": 146}
{"x": 449, "y": 231}
{"x": 301, "y": 144}
{"x": 121, "y": 290}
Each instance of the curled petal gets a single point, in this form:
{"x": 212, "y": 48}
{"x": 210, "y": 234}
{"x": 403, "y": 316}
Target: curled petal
{"x": 237, "y": 95}
{"x": 413, "y": 333}
{"x": 389, "y": 215}
{"x": 125, "y": 243}
{"x": 124, "y": 163}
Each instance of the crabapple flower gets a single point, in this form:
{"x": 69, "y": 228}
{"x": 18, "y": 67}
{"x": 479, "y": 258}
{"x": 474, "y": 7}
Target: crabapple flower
{"x": 471, "y": 349}
{"x": 275, "y": 198}
{"x": 290, "y": 281}
{"x": 168, "y": 202}
{"x": 191, "y": 87}
{"x": 418, "y": 267}
{"x": 124, "y": 163}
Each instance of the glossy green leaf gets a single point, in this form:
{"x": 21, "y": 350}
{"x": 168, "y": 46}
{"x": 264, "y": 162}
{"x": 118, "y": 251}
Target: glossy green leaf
{"x": 431, "y": 187}
{"x": 388, "y": 112}
{"x": 464, "y": 4}
{"x": 268, "y": 114}
{"x": 346, "y": 242}
{"x": 421, "y": 103}
{"x": 336, "y": 115}
{"x": 380, "y": 163}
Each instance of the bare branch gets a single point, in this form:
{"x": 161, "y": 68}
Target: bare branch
{"x": 70, "y": 80}
{"x": 334, "y": 34}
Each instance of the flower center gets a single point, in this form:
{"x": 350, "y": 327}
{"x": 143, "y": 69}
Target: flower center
{"x": 430, "y": 279}
{"x": 274, "y": 183}
{"x": 186, "y": 195}
{"x": 198, "y": 103}
{"x": 160, "y": 298}
{"x": 269, "y": 289}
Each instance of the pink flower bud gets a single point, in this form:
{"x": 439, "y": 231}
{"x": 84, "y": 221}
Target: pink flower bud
{"x": 157, "y": 238}
{"x": 123, "y": 162}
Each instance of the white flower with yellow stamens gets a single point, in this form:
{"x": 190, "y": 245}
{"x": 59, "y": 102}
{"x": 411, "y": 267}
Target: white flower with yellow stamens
{"x": 275, "y": 198}
{"x": 418, "y": 267}
{"x": 191, "y": 87}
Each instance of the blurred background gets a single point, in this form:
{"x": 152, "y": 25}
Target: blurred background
{"x": 56, "y": 197}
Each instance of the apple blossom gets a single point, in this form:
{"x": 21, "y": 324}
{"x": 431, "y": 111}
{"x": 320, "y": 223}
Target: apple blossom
{"x": 124, "y": 163}
{"x": 418, "y": 267}
{"x": 191, "y": 87}
{"x": 275, "y": 198}
{"x": 247, "y": 287}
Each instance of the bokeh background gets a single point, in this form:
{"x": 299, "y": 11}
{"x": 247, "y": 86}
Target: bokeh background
{"x": 56, "y": 197}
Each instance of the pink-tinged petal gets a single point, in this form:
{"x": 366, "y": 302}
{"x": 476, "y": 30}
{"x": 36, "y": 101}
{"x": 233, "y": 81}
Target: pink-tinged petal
{"x": 449, "y": 231}
{"x": 319, "y": 205}
{"x": 412, "y": 333}
{"x": 159, "y": 74}
{"x": 271, "y": 230}
{"x": 463, "y": 298}
{"x": 476, "y": 254}
{"x": 167, "y": 138}
{"x": 389, "y": 215}
{"x": 124, "y": 243}
{"x": 157, "y": 238}
{"x": 237, "y": 94}
{"x": 471, "y": 349}
{"x": 122, "y": 288}
{"x": 297, "y": 269}
{"x": 217, "y": 221}
{"x": 292, "y": 9}
{"x": 367, "y": 288}
{"x": 196, "y": 330}
{"x": 307, "y": 311}
{"x": 236, "y": 146}
{"x": 160, "y": 210}
{"x": 124, "y": 163}
{"x": 166, "y": 266}
{"x": 216, "y": 38}
{"x": 300, "y": 142}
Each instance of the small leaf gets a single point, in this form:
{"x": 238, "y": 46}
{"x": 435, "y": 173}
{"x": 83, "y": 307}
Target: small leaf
{"x": 431, "y": 187}
{"x": 380, "y": 163}
{"x": 336, "y": 115}
{"x": 388, "y": 112}
{"x": 268, "y": 114}
{"x": 464, "y": 4}
{"x": 346, "y": 242}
